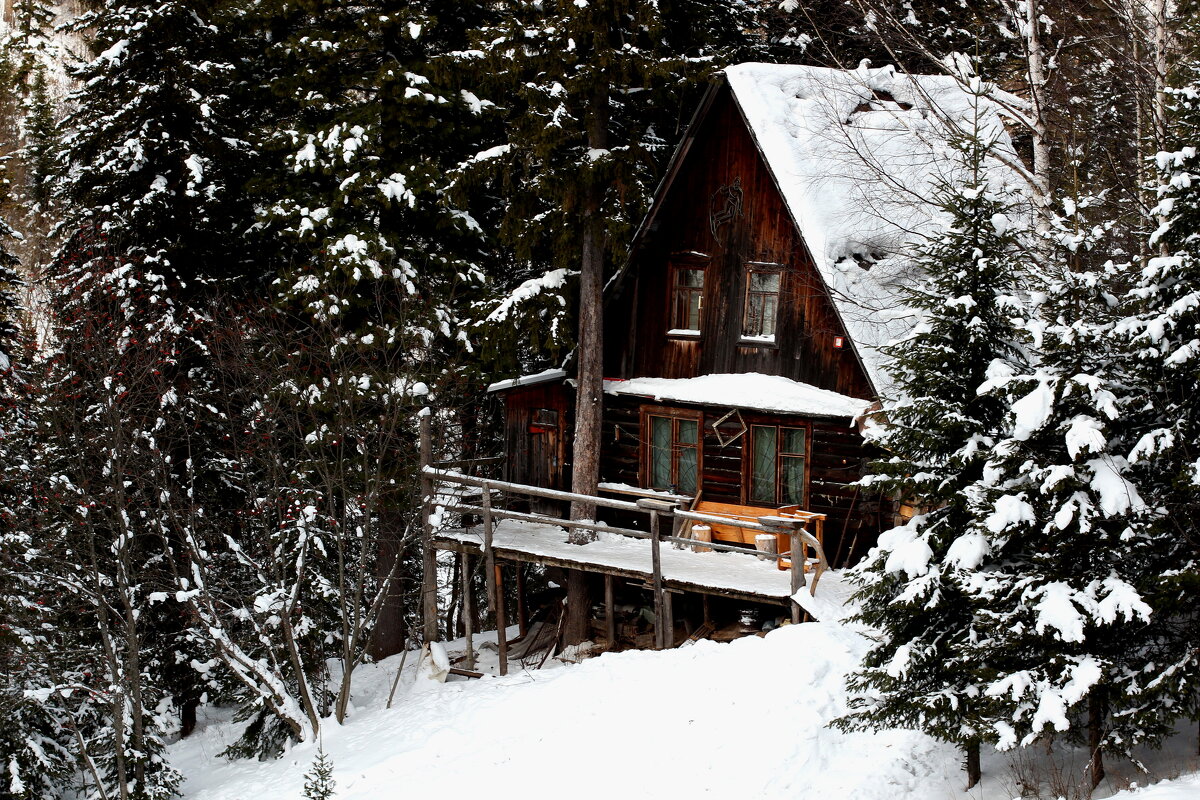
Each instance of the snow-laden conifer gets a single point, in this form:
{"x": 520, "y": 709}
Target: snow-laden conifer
{"x": 915, "y": 587}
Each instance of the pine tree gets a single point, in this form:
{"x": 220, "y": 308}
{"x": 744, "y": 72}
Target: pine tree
{"x": 319, "y": 783}
{"x": 1065, "y": 627}
{"x": 1165, "y": 333}
{"x": 915, "y": 586}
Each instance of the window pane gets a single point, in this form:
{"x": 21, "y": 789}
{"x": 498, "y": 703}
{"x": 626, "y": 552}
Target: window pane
{"x": 693, "y": 311}
{"x": 793, "y": 480}
{"x": 687, "y": 470}
{"x": 764, "y": 282}
{"x": 660, "y": 453}
{"x": 762, "y": 468}
{"x": 754, "y": 315}
{"x": 769, "y": 305}
{"x": 687, "y": 431}
{"x": 693, "y": 278}
{"x": 793, "y": 441}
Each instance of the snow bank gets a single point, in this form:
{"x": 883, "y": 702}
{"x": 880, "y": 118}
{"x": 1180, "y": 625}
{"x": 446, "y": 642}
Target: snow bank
{"x": 750, "y": 390}
{"x": 686, "y": 723}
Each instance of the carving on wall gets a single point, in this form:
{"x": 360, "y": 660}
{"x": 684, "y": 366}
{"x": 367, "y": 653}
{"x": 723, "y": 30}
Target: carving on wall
{"x": 725, "y": 206}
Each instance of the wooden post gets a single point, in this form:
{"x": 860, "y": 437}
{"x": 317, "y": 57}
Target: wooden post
{"x": 501, "y": 622}
{"x": 468, "y": 609}
{"x": 656, "y": 507}
{"x": 668, "y": 620}
{"x": 798, "y": 560}
{"x": 656, "y": 568}
{"x": 704, "y": 603}
{"x": 489, "y": 557}
{"x": 428, "y": 555}
{"x": 522, "y": 622}
{"x": 610, "y": 612}
{"x": 495, "y": 582}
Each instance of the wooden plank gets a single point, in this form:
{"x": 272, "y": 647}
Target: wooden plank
{"x": 520, "y": 488}
{"x": 522, "y": 622}
{"x": 610, "y": 611}
{"x": 468, "y": 609}
{"x": 501, "y": 622}
{"x": 428, "y": 553}
{"x": 656, "y": 571}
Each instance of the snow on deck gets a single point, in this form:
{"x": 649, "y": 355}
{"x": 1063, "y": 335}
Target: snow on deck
{"x": 728, "y": 572}
{"x": 750, "y": 390}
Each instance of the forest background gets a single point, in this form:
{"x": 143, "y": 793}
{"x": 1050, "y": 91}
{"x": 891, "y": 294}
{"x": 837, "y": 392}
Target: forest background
{"x": 246, "y": 242}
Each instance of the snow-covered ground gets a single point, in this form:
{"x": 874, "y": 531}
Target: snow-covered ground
{"x": 739, "y": 720}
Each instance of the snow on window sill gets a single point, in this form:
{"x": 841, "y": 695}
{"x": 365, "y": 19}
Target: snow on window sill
{"x": 684, "y": 332}
{"x": 767, "y": 340}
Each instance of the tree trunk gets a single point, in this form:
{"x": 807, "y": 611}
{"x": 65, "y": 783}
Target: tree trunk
{"x": 1096, "y": 714}
{"x": 585, "y": 469}
{"x": 973, "y": 772}
{"x": 389, "y": 633}
{"x": 1036, "y": 66}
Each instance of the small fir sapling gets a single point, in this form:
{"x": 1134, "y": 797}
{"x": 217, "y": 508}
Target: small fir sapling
{"x": 318, "y": 782}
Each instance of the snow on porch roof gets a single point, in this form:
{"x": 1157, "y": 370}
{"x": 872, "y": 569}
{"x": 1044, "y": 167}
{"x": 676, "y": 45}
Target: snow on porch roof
{"x": 856, "y": 155}
{"x": 751, "y": 390}
{"x": 545, "y": 376}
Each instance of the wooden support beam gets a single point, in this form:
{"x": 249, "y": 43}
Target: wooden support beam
{"x": 610, "y": 612}
{"x": 501, "y": 622}
{"x": 468, "y": 610}
{"x": 704, "y": 602}
{"x": 522, "y": 621}
{"x": 668, "y": 620}
{"x": 798, "y": 559}
{"x": 428, "y": 553}
{"x": 657, "y": 582}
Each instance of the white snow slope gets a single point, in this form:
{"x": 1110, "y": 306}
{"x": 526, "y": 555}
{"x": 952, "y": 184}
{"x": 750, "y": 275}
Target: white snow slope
{"x": 740, "y": 720}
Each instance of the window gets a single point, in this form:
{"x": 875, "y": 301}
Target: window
{"x": 671, "y": 449}
{"x": 687, "y": 298}
{"x": 762, "y": 303}
{"x": 777, "y": 465}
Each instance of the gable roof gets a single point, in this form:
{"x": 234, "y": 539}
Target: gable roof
{"x": 856, "y": 156}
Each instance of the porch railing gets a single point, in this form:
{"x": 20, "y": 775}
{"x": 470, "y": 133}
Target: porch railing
{"x": 655, "y": 508}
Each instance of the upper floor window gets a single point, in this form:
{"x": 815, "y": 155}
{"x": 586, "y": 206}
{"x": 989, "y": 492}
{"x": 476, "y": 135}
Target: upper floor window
{"x": 762, "y": 302}
{"x": 687, "y": 298}
{"x": 671, "y": 449}
{"x": 778, "y": 456}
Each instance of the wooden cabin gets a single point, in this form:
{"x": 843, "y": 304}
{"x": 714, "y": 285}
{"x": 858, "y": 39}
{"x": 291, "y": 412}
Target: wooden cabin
{"x": 743, "y": 336}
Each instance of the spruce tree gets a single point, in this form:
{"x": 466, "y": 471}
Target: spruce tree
{"x": 915, "y": 586}
{"x": 1066, "y": 633}
{"x": 1164, "y": 330}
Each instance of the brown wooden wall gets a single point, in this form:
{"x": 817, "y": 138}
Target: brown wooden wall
{"x": 837, "y": 458}
{"x": 638, "y": 311}
{"x": 534, "y": 454}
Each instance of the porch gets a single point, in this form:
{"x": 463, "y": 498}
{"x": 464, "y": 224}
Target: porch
{"x": 477, "y": 518}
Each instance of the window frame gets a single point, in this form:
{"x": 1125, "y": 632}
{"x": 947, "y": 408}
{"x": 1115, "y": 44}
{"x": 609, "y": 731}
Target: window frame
{"x": 675, "y": 265}
{"x": 647, "y": 412}
{"x": 748, "y": 460}
{"x": 761, "y": 268}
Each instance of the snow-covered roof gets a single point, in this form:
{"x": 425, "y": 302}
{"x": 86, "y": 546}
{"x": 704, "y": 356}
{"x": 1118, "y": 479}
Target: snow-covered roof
{"x": 856, "y": 155}
{"x": 545, "y": 376}
{"x": 749, "y": 390}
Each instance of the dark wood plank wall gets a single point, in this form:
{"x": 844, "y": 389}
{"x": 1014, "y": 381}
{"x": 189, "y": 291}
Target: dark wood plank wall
{"x": 836, "y": 460}
{"x": 761, "y": 230}
{"x": 537, "y": 457}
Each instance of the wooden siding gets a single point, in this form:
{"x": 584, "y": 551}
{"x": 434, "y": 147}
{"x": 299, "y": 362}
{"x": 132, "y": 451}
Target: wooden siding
{"x": 760, "y": 230}
{"x": 837, "y": 455}
{"x": 537, "y": 454}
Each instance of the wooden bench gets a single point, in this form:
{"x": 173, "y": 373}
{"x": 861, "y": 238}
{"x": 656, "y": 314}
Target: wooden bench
{"x": 732, "y": 533}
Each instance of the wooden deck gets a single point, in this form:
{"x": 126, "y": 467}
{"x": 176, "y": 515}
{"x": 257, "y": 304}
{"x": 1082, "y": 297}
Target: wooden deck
{"x": 733, "y": 575}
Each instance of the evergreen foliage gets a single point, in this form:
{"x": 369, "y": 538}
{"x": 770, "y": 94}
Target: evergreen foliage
{"x": 319, "y": 783}
{"x": 916, "y": 587}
